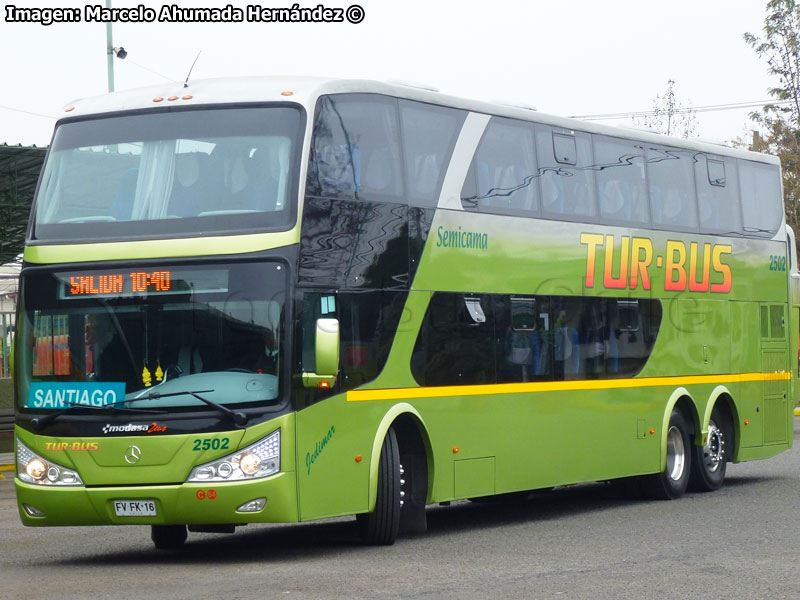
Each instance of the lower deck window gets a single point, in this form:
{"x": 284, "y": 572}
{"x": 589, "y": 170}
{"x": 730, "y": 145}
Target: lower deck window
{"x": 532, "y": 338}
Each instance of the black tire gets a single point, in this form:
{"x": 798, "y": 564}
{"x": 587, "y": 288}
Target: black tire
{"x": 380, "y": 526}
{"x": 168, "y": 537}
{"x": 709, "y": 461}
{"x": 671, "y": 483}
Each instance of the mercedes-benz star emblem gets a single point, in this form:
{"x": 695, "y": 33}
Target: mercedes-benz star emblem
{"x": 132, "y": 454}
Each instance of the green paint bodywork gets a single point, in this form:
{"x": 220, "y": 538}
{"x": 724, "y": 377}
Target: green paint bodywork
{"x": 506, "y": 442}
{"x": 160, "y": 475}
{"x": 552, "y": 438}
{"x": 144, "y": 249}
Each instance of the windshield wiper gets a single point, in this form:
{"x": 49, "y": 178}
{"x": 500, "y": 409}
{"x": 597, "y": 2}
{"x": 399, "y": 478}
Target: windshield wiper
{"x": 237, "y": 418}
{"x": 39, "y": 422}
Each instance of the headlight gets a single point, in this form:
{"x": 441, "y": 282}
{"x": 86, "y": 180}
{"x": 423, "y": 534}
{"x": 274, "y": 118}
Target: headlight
{"x": 32, "y": 468}
{"x": 258, "y": 460}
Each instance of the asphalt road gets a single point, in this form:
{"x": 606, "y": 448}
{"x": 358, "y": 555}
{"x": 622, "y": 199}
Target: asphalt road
{"x": 590, "y": 541}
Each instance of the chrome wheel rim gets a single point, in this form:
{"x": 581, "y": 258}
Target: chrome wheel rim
{"x": 714, "y": 450}
{"x": 402, "y": 486}
{"x": 676, "y": 454}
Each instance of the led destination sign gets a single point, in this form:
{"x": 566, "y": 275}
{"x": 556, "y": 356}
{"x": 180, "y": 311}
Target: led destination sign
{"x": 121, "y": 284}
{"x": 140, "y": 282}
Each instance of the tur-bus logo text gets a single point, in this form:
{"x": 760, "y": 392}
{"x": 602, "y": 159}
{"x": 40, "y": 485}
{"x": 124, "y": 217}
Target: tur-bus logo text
{"x": 692, "y": 266}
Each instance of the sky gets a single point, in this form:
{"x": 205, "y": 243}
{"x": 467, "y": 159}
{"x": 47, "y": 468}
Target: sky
{"x": 571, "y": 57}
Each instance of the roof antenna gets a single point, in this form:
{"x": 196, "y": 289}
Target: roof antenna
{"x": 186, "y": 83}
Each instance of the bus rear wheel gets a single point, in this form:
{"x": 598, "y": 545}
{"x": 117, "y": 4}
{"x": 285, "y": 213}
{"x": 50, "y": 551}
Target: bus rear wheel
{"x": 709, "y": 461}
{"x": 380, "y": 527}
{"x": 671, "y": 483}
{"x": 168, "y": 537}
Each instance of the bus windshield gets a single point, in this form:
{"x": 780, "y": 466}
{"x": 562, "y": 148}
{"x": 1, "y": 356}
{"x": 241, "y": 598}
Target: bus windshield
{"x": 155, "y": 335}
{"x": 167, "y": 173}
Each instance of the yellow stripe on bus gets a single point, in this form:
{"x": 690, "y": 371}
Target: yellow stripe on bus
{"x": 557, "y": 386}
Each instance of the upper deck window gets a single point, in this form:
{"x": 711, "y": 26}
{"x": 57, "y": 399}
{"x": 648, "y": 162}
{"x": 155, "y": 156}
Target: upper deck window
{"x": 503, "y": 177}
{"x": 566, "y": 174}
{"x": 375, "y": 148}
{"x": 429, "y": 134}
{"x": 621, "y": 185}
{"x": 170, "y": 173}
{"x": 760, "y": 188}
{"x": 355, "y": 154}
{"x": 718, "y": 194}
{"x": 670, "y": 174}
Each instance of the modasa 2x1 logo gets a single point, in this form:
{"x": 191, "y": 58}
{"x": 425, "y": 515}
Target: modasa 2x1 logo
{"x": 153, "y": 427}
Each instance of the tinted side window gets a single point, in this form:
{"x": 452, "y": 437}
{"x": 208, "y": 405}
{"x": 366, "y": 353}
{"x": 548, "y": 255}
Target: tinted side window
{"x": 502, "y": 177}
{"x": 368, "y": 324}
{"x": 718, "y": 194}
{"x": 567, "y": 189}
{"x": 524, "y": 342}
{"x": 621, "y": 188}
{"x": 455, "y": 345}
{"x": 534, "y": 338}
{"x": 429, "y": 134}
{"x": 762, "y": 205}
{"x": 670, "y": 175}
{"x": 600, "y": 338}
{"x": 355, "y": 150}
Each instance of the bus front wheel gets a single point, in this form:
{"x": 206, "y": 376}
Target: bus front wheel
{"x": 671, "y": 483}
{"x": 380, "y": 527}
{"x": 168, "y": 537}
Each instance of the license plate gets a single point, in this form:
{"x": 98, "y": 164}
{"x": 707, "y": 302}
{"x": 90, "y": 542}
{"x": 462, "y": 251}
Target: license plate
{"x": 135, "y": 508}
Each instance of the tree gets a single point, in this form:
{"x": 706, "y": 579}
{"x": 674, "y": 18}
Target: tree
{"x": 780, "y": 121}
{"x": 669, "y": 115}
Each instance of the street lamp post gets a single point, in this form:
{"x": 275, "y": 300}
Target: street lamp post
{"x": 110, "y": 51}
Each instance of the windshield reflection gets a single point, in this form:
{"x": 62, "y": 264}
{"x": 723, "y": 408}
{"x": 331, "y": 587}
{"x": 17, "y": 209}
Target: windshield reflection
{"x": 181, "y": 172}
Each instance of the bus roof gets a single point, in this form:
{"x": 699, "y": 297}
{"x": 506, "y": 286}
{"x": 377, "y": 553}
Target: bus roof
{"x": 306, "y": 91}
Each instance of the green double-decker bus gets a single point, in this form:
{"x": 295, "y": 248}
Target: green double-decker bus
{"x": 285, "y": 299}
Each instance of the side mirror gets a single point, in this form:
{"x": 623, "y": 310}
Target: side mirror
{"x": 326, "y": 355}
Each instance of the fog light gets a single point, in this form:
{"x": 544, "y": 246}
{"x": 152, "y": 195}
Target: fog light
{"x": 253, "y": 506}
{"x": 249, "y": 463}
{"x": 36, "y": 468}
{"x": 33, "y": 511}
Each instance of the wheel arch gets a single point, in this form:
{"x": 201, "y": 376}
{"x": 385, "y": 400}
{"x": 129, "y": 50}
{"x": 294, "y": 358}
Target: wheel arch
{"x": 403, "y": 412}
{"x": 682, "y": 400}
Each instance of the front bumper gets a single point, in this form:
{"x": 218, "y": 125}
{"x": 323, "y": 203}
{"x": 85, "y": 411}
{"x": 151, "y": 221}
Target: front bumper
{"x": 178, "y": 504}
